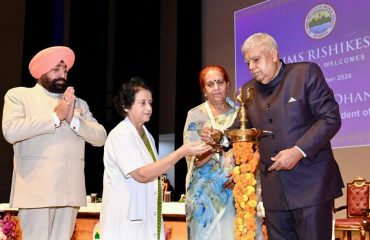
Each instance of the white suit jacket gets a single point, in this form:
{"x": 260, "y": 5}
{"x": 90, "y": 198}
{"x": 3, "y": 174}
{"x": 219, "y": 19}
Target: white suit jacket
{"x": 48, "y": 160}
{"x": 129, "y": 208}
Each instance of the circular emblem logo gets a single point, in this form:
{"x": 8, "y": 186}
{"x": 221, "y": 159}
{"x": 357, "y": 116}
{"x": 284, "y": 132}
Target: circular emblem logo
{"x": 320, "y": 21}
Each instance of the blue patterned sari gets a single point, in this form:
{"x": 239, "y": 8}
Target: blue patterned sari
{"x": 209, "y": 205}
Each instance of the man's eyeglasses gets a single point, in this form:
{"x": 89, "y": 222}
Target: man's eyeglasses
{"x": 219, "y": 82}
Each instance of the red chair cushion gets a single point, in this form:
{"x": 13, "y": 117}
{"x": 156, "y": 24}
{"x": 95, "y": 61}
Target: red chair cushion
{"x": 348, "y": 223}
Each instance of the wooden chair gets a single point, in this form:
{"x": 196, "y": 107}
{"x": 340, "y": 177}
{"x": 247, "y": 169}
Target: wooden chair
{"x": 357, "y": 210}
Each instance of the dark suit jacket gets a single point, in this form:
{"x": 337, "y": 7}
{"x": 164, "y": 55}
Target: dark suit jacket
{"x": 300, "y": 109}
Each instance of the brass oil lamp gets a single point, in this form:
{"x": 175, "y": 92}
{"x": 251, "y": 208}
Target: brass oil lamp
{"x": 245, "y": 143}
{"x": 244, "y": 134}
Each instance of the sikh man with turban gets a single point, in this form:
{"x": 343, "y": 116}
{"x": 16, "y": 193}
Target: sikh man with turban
{"x": 48, "y": 127}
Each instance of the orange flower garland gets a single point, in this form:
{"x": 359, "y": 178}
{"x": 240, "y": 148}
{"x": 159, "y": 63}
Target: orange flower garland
{"x": 246, "y": 161}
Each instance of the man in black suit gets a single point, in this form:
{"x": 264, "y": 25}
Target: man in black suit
{"x": 300, "y": 177}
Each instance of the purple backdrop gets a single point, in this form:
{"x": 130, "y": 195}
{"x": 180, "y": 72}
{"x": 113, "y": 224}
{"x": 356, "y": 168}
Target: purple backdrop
{"x": 334, "y": 34}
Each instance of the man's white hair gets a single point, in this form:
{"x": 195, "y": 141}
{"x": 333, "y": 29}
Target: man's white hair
{"x": 259, "y": 39}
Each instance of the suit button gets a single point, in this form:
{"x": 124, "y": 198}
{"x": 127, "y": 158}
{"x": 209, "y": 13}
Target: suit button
{"x": 275, "y": 153}
{"x": 270, "y": 120}
{"x": 268, "y": 105}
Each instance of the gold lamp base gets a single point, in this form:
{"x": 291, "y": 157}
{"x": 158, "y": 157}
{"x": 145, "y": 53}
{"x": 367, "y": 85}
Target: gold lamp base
{"x": 246, "y": 135}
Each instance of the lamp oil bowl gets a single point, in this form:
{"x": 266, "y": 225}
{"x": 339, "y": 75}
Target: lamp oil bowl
{"x": 246, "y": 135}
{"x": 217, "y": 136}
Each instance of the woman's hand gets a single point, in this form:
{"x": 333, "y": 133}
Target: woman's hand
{"x": 200, "y": 160}
{"x": 206, "y": 135}
{"x": 195, "y": 148}
{"x": 229, "y": 184}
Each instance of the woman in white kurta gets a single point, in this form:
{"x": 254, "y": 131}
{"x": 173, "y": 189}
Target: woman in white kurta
{"x": 131, "y": 207}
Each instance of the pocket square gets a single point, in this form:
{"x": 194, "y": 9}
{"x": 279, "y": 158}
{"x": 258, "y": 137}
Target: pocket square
{"x": 292, "y": 99}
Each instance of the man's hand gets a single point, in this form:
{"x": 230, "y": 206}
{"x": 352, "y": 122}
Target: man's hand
{"x": 286, "y": 159}
{"x": 71, "y": 112}
{"x": 65, "y": 107}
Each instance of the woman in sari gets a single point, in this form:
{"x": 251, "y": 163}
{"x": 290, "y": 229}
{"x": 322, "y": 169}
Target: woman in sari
{"x": 209, "y": 201}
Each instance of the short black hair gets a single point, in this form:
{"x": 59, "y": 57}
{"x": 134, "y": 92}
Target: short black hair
{"x": 126, "y": 94}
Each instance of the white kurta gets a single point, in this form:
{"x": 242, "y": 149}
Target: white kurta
{"x": 129, "y": 208}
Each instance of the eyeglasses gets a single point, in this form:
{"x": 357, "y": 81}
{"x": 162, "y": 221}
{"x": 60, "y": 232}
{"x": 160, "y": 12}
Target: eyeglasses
{"x": 219, "y": 82}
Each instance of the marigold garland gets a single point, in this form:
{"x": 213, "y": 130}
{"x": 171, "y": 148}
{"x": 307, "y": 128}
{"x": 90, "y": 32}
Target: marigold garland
{"x": 246, "y": 161}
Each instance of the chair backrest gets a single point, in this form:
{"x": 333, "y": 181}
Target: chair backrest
{"x": 357, "y": 197}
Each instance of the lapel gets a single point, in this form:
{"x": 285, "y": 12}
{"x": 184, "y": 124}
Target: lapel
{"x": 140, "y": 143}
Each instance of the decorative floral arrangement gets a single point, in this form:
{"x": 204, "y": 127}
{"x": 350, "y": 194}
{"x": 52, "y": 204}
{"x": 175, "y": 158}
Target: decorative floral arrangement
{"x": 8, "y": 227}
{"x": 246, "y": 161}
